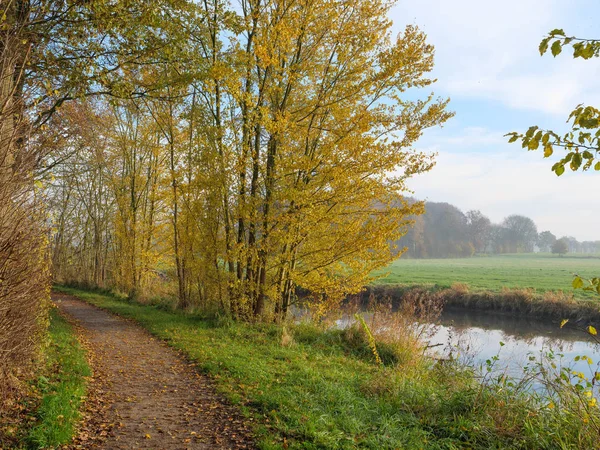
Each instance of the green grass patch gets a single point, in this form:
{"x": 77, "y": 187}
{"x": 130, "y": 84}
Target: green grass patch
{"x": 61, "y": 386}
{"x": 322, "y": 390}
{"x": 542, "y": 272}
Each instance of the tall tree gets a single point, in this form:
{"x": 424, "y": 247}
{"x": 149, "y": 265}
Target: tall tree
{"x": 285, "y": 145}
{"x": 521, "y": 233}
{"x": 545, "y": 241}
{"x": 479, "y": 228}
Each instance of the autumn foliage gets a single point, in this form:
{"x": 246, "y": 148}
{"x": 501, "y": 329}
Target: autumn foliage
{"x": 272, "y": 155}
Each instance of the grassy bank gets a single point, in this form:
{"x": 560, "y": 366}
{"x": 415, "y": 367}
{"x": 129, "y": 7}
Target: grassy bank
{"x": 539, "y": 272}
{"x": 48, "y": 416}
{"x": 307, "y": 388}
{"x": 554, "y": 306}
{"x": 62, "y": 387}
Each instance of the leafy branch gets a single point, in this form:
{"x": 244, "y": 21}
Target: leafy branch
{"x": 582, "y": 48}
{"x": 592, "y": 284}
{"x": 582, "y": 142}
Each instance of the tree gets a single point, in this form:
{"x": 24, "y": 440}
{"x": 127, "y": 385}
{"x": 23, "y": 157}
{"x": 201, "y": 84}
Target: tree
{"x": 276, "y": 160}
{"x": 479, "y": 229}
{"x": 53, "y": 52}
{"x": 521, "y": 233}
{"x": 560, "y": 247}
{"x": 545, "y": 241}
{"x": 414, "y": 239}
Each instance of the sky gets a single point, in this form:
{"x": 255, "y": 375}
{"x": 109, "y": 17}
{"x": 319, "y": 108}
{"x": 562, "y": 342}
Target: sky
{"x": 488, "y": 64}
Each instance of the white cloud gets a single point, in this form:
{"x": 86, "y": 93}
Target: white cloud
{"x": 554, "y": 93}
{"x": 470, "y": 136}
{"x": 489, "y": 50}
{"x": 487, "y": 57}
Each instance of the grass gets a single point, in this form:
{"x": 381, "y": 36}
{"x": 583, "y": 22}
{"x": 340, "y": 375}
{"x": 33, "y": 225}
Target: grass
{"x": 542, "y": 272}
{"x": 306, "y": 388}
{"x": 61, "y": 386}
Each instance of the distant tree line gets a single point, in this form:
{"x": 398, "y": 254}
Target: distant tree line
{"x": 444, "y": 231}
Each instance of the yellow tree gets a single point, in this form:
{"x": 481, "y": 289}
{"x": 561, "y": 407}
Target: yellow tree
{"x": 311, "y": 125}
{"x": 136, "y": 164}
{"x": 276, "y": 141}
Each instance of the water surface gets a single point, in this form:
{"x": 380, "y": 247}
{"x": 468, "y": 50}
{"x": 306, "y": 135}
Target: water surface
{"x": 477, "y": 336}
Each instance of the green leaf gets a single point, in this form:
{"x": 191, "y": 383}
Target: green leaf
{"x": 576, "y": 161}
{"x": 556, "y": 48}
{"x": 545, "y": 138}
{"x": 533, "y": 144}
{"x": 597, "y": 166}
{"x": 559, "y": 169}
{"x": 544, "y": 45}
{"x": 513, "y": 138}
{"x": 577, "y": 283}
{"x": 530, "y": 131}
{"x": 557, "y": 32}
{"x": 588, "y": 51}
{"x": 548, "y": 151}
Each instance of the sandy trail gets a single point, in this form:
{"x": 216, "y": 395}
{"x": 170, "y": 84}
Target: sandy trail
{"x": 143, "y": 394}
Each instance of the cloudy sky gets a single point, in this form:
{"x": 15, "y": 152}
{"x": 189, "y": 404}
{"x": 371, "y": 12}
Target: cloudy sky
{"x": 487, "y": 62}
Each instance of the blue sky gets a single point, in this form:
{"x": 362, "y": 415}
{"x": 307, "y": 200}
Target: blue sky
{"x": 487, "y": 62}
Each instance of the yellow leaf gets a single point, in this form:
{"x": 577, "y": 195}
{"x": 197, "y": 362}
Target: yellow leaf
{"x": 592, "y": 331}
{"x": 564, "y": 322}
{"x": 147, "y": 436}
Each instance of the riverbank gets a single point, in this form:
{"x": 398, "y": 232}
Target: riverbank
{"x": 306, "y": 387}
{"x": 552, "y": 306}
{"x": 47, "y": 415}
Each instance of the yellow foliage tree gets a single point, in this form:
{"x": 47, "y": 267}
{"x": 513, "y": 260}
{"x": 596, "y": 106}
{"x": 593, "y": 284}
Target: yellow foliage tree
{"x": 276, "y": 142}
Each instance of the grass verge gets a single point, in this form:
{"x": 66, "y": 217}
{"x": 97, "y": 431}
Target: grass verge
{"x": 306, "y": 388}
{"x": 61, "y": 387}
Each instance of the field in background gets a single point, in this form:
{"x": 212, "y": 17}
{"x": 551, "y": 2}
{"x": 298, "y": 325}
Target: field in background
{"x": 543, "y": 272}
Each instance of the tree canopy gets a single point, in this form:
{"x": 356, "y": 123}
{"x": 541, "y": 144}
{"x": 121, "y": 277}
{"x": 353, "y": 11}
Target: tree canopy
{"x": 265, "y": 151}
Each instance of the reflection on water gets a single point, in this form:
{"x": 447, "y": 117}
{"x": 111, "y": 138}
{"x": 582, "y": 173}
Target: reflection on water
{"x": 476, "y": 336}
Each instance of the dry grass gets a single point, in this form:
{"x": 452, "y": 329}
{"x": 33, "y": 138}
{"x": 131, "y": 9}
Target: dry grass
{"x": 556, "y": 305}
{"x": 400, "y": 334}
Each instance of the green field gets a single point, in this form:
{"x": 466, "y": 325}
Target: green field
{"x": 542, "y": 272}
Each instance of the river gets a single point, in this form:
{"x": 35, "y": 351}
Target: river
{"x": 477, "y": 336}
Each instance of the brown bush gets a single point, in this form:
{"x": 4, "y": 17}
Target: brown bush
{"x": 24, "y": 279}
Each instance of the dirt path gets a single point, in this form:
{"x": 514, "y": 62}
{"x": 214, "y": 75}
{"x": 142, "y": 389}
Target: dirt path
{"x": 143, "y": 394}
